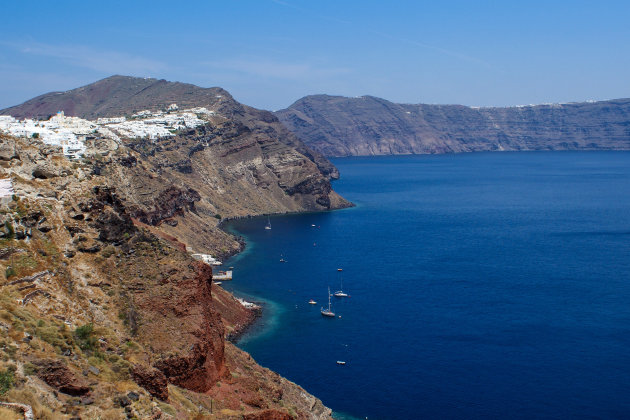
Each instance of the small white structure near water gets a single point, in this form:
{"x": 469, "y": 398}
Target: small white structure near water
{"x": 6, "y": 191}
{"x": 207, "y": 258}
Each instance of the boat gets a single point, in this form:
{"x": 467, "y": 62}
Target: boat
{"x": 341, "y": 362}
{"x": 283, "y": 260}
{"x": 312, "y": 302}
{"x": 328, "y": 312}
{"x": 222, "y": 275}
{"x": 340, "y": 293}
{"x": 268, "y": 227}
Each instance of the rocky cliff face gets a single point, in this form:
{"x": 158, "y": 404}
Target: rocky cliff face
{"x": 123, "y": 95}
{"x": 105, "y": 315}
{"x": 339, "y": 126}
{"x": 242, "y": 162}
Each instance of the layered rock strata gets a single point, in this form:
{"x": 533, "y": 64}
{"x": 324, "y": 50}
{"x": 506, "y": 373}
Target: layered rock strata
{"x": 340, "y": 126}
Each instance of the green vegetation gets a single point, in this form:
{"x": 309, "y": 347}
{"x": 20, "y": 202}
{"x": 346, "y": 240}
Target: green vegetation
{"x": 10, "y": 230}
{"x": 29, "y": 369}
{"x": 7, "y": 379}
{"x": 9, "y": 272}
{"x": 85, "y": 340}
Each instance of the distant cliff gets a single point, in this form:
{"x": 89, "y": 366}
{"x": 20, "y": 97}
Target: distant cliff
{"x": 340, "y": 126}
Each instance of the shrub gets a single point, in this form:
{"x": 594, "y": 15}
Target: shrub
{"x": 84, "y": 337}
{"x": 9, "y": 272}
{"x": 6, "y": 380}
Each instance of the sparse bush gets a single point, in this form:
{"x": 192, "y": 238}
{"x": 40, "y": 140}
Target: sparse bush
{"x": 29, "y": 369}
{"x": 7, "y": 378}
{"x": 108, "y": 251}
{"x": 84, "y": 337}
{"x": 10, "y": 230}
{"x": 9, "y": 272}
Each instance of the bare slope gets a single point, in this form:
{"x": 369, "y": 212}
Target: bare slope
{"x": 340, "y": 126}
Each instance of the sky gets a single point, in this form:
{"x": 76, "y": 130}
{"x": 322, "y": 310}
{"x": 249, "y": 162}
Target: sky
{"x": 270, "y": 53}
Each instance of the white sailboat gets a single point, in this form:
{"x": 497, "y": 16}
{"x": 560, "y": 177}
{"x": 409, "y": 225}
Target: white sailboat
{"x": 268, "y": 227}
{"x": 340, "y": 293}
{"x": 328, "y": 312}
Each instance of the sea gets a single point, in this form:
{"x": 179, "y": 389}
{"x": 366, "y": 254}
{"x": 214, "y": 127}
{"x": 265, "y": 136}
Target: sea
{"x": 481, "y": 286}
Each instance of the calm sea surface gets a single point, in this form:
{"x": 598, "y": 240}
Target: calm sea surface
{"x": 487, "y": 285}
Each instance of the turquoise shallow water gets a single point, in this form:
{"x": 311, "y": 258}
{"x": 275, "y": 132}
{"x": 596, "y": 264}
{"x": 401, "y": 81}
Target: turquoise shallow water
{"x": 482, "y": 286}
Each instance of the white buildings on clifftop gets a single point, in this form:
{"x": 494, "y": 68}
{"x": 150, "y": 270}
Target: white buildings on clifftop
{"x": 71, "y": 132}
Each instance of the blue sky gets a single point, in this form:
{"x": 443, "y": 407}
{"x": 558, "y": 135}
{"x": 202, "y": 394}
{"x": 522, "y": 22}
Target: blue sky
{"x": 269, "y": 53}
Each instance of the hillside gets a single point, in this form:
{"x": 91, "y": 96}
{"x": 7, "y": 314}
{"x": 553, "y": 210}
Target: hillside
{"x": 340, "y": 126}
{"x": 123, "y": 95}
{"x": 104, "y": 313}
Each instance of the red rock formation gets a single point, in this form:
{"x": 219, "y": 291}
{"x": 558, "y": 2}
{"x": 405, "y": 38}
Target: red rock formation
{"x": 179, "y": 324}
{"x": 56, "y": 374}
{"x": 152, "y": 380}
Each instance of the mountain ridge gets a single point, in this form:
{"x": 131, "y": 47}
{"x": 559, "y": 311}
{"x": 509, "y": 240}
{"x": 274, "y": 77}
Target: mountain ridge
{"x": 368, "y": 125}
{"x": 118, "y": 95}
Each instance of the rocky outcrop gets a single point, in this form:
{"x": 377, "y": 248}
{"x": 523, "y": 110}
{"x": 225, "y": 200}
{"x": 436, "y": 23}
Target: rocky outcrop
{"x": 171, "y": 202}
{"x": 152, "y": 380}
{"x": 339, "y": 126}
{"x": 57, "y": 374}
{"x": 8, "y": 151}
{"x": 178, "y": 322}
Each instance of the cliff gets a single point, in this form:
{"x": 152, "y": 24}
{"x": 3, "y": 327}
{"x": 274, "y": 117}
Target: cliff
{"x": 340, "y": 126}
{"x": 103, "y": 312}
{"x": 104, "y": 315}
{"x": 124, "y": 95}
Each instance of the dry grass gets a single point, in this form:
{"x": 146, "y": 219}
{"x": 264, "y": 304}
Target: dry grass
{"x": 8, "y": 414}
{"x": 29, "y": 396}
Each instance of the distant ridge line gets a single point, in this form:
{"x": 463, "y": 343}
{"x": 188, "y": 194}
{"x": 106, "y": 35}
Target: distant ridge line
{"x": 367, "y": 125}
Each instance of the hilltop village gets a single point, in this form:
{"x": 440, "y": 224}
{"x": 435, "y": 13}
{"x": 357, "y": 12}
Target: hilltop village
{"x": 71, "y": 133}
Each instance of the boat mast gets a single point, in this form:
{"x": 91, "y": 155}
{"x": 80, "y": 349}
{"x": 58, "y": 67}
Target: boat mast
{"x": 329, "y": 299}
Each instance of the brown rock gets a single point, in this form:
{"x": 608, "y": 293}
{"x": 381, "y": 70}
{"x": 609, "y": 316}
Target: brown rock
{"x": 56, "y": 374}
{"x": 152, "y": 380}
{"x": 200, "y": 364}
{"x": 7, "y": 150}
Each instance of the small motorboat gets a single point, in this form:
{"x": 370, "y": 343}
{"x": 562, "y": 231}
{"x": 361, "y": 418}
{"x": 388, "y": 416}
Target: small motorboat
{"x": 283, "y": 260}
{"x": 341, "y": 362}
{"x": 312, "y": 302}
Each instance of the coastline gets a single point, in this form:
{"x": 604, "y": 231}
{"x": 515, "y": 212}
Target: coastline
{"x": 256, "y": 314}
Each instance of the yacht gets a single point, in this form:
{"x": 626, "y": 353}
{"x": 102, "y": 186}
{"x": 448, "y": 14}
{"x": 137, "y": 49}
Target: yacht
{"x": 328, "y": 312}
{"x": 340, "y": 293}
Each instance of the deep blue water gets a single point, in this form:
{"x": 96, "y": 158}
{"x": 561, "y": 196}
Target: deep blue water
{"x": 490, "y": 285}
